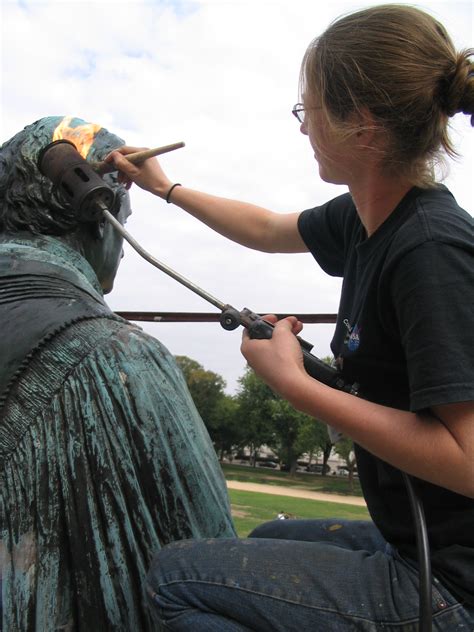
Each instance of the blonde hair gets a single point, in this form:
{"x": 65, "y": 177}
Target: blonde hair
{"x": 398, "y": 63}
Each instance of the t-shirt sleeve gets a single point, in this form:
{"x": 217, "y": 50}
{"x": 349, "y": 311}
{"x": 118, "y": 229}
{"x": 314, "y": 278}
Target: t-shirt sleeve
{"x": 432, "y": 295}
{"x": 324, "y": 231}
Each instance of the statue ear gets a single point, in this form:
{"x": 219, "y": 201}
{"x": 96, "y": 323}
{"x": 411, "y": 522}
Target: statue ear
{"x": 96, "y": 230}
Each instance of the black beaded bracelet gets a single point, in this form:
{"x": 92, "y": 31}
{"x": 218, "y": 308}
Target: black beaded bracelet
{"x": 168, "y": 195}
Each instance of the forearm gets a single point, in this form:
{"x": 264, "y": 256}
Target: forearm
{"x": 246, "y": 224}
{"x": 419, "y": 444}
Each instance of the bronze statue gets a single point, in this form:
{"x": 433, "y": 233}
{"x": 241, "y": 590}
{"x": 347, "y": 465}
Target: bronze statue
{"x": 103, "y": 456}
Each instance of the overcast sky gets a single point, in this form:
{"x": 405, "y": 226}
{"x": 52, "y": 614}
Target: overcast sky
{"x": 222, "y": 76}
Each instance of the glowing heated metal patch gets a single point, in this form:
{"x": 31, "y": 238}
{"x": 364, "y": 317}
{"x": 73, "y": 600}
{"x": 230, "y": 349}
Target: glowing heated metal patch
{"x": 82, "y": 135}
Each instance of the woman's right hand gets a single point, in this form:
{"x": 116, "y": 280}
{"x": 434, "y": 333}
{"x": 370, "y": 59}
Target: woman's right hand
{"x": 148, "y": 175}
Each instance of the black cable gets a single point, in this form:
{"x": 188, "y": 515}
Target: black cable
{"x": 423, "y": 550}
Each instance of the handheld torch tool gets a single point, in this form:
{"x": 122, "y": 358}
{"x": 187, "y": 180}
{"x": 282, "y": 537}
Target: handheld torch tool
{"x": 80, "y": 184}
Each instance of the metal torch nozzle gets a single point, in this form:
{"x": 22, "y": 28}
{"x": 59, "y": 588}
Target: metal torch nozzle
{"x": 75, "y": 178}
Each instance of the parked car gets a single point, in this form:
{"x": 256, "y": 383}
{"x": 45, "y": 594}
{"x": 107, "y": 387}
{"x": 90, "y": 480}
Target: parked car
{"x": 343, "y": 471}
{"x": 271, "y": 464}
{"x": 315, "y": 467}
{"x": 318, "y": 468}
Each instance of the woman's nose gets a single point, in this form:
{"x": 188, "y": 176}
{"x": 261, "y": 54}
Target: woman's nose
{"x": 303, "y": 128}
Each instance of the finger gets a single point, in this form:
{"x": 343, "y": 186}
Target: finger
{"x": 245, "y": 334}
{"x": 124, "y": 180}
{"x": 124, "y": 150}
{"x": 122, "y": 164}
{"x": 270, "y": 318}
{"x": 247, "y": 343}
{"x": 297, "y": 327}
{"x": 290, "y": 323}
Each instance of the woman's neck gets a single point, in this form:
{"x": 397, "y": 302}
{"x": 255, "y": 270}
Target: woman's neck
{"x": 376, "y": 197}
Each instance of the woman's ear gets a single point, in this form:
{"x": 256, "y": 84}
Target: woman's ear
{"x": 367, "y": 127}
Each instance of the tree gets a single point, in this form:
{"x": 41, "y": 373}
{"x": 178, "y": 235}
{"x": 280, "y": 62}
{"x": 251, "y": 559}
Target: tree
{"x": 206, "y": 388}
{"x": 313, "y": 440}
{"x": 254, "y": 400}
{"x": 188, "y": 366}
{"x": 326, "y": 444}
{"x": 267, "y": 419}
{"x": 345, "y": 449}
{"x": 327, "y": 449}
{"x": 225, "y": 430}
{"x": 286, "y": 424}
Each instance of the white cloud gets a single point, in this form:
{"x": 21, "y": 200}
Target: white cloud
{"x": 222, "y": 76}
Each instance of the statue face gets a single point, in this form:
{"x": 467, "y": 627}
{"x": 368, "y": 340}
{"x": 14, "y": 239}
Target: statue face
{"x": 105, "y": 253}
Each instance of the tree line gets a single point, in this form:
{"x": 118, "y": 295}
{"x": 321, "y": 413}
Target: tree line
{"x": 256, "y": 416}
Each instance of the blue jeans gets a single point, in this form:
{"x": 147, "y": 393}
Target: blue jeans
{"x": 302, "y": 575}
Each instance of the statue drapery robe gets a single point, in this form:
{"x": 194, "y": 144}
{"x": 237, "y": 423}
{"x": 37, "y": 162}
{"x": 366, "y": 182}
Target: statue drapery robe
{"x": 103, "y": 456}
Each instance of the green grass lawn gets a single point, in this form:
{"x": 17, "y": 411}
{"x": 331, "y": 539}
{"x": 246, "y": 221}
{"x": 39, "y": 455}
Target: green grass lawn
{"x": 249, "y": 509}
{"x": 310, "y": 482}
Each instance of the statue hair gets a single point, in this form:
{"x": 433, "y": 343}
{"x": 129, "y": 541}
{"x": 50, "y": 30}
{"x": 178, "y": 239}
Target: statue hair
{"x": 28, "y": 201}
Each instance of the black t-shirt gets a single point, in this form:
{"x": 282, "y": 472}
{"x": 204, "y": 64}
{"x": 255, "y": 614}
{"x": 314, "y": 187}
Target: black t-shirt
{"x": 405, "y": 333}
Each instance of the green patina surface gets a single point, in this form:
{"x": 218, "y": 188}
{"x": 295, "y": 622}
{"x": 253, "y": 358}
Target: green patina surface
{"x": 103, "y": 459}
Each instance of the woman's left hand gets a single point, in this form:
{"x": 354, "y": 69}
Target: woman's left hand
{"x": 279, "y": 360}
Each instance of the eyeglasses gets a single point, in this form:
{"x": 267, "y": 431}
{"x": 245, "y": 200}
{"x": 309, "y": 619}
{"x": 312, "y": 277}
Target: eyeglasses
{"x": 298, "y": 111}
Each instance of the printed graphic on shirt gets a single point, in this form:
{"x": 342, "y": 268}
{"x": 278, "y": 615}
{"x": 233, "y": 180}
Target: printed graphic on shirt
{"x": 352, "y": 339}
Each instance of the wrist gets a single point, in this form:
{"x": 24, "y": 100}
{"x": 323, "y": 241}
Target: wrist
{"x": 171, "y": 191}
{"x": 161, "y": 189}
{"x": 292, "y": 385}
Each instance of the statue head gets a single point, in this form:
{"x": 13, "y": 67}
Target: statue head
{"x": 30, "y": 203}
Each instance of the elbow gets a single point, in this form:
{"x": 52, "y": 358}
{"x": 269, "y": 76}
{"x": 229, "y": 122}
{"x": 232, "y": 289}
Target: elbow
{"x": 466, "y": 480}
{"x": 463, "y": 486}
{"x": 470, "y": 491}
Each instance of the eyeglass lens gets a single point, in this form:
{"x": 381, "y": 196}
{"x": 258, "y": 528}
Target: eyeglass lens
{"x": 298, "y": 112}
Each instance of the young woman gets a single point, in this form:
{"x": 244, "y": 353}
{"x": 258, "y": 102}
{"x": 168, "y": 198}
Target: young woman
{"x": 378, "y": 88}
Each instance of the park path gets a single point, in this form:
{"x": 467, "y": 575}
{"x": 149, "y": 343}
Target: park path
{"x": 279, "y": 490}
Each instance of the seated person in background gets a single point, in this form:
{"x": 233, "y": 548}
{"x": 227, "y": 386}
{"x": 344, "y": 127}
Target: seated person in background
{"x": 103, "y": 456}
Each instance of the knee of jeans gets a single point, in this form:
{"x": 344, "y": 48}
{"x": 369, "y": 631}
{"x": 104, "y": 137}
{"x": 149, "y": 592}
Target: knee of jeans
{"x": 165, "y": 561}
{"x": 266, "y": 530}
{"x": 153, "y": 579}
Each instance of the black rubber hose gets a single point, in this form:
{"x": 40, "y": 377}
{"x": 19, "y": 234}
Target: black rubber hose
{"x": 423, "y": 550}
